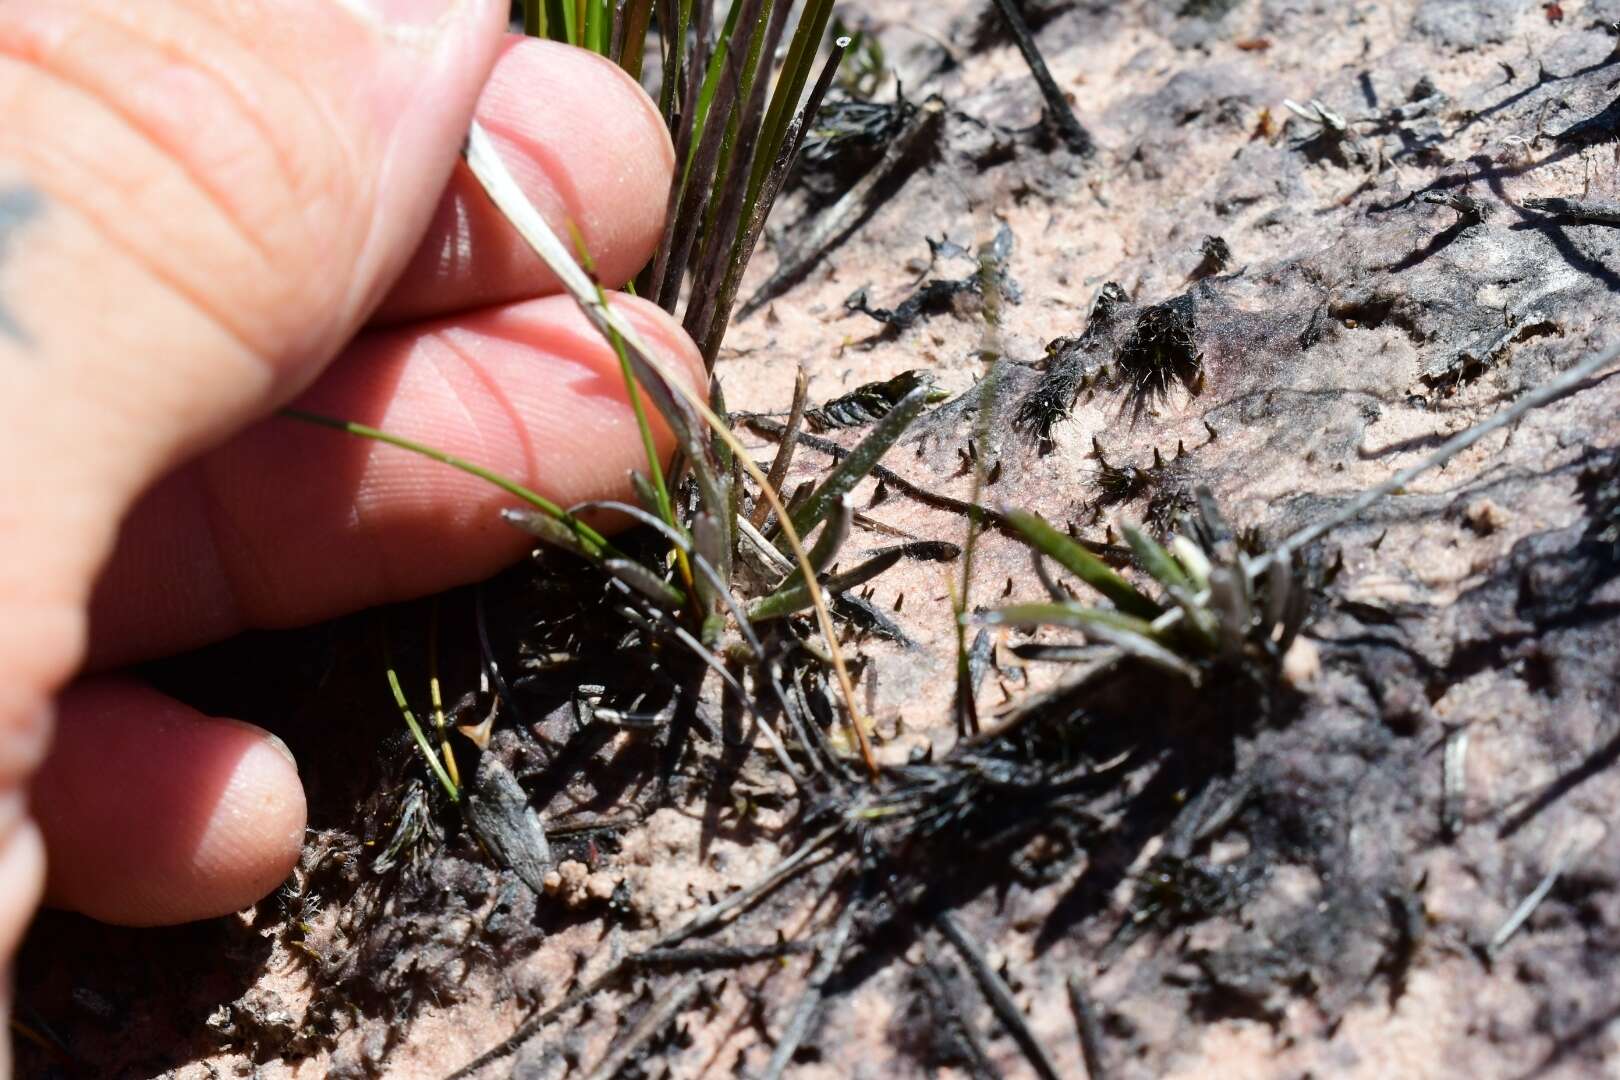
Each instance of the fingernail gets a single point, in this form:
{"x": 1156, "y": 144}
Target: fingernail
{"x": 269, "y": 738}
{"x": 406, "y": 14}
{"x": 281, "y": 748}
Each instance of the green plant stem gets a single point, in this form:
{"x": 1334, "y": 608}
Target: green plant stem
{"x": 655, "y": 471}
{"x": 503, "y": 190}
{"x": 1082, "y": 564}
{"x": 594, "y": 543}
{"x": 421, "y": 737}
{"x": 436, "y": 698}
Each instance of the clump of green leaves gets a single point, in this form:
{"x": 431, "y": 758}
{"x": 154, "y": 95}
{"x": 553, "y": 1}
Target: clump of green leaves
{"x": 737, "y": 131}
{"x": 1209, "y": 608}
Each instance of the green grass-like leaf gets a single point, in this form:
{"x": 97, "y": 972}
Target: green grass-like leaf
{"x": 421, "y": 738}
{"x": 796, "y": 597}
{"x": 861, "y": 460}
{"x": 1134, "y": 636}
{"x": 1082, "y": 564}
{"x": 591, "y": 543}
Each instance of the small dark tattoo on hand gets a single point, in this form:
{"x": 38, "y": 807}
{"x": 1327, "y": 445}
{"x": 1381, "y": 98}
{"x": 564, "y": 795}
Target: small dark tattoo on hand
{"x": 18, "y": 206}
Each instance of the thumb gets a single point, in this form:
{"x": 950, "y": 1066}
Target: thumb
{"x": 200, "y": 201}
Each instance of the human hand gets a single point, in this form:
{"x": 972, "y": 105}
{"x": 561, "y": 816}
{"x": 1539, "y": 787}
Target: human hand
{"x": 202, "y": 204}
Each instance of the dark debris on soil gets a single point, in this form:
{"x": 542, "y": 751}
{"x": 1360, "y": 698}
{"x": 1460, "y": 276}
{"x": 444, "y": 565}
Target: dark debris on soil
{"x": 1329, "y": 799}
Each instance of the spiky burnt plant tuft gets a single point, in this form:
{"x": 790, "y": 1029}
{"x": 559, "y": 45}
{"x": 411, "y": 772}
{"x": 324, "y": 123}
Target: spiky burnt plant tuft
{"x": 1161, "y": 349}
{"x": 1070, "y": 363}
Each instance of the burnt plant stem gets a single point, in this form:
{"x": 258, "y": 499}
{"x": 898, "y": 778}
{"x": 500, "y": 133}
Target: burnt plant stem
{"x": 665, "y": 1007}
{"x": 1058, "y": 110}
{"x": 996, "y": 991}
{"x": 1088, "y": 1029}
{"x": 720, "y": 955}
{"x": 784, "y": 448}
{"x": 846, "y": 215}
{"x": 766, "y": 426}
{"x": 723, "y": 911}
{"x": 972, "y": 1043}
{"x": 1603, "y": 211}
{"x": 804, "y": 1013}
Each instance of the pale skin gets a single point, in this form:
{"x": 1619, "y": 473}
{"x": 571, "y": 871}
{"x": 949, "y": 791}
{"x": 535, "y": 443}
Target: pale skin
{"x": 211, "y": 209}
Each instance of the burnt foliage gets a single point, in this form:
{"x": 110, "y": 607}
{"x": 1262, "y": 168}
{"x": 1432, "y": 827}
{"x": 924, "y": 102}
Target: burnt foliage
{"x": 866, "y": 403}
{"x": 989, "y": 283}
{"x": 1071, "y": 362}
{"x": 849, "y": 137}
{"x": 1161, "y": 349}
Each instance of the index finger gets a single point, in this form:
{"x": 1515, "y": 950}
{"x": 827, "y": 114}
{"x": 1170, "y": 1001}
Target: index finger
{"x": 589, "y": 149}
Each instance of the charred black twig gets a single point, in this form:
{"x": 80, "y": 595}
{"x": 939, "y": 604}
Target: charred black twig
{"x": 537, "y": 1023}
{"x": 784, "y": 447}
{"x": 1568, "y": 383}
{"x": 944, "y": 999}
{"x": 1172, "y": 891}
{"x": 711, "y": 917}
{"x": 665, "y": 1006}
{"x": 842, "y": 218}
{"x": 766, "y": 426}
{"x": 1088, "y": 1029}
{"x": 809, "y": 1004}
{"x": 990, "y": 282}
{"x": 935, "y": 296}
{"x": 1471, "y": 210}
{"x": 1446, "y": 374}
{"x": 848, "y": 138}
{"x": 1603, "y": 211}
{"x": 1408, "y": 920}
{"x": 1597, "y": 128}
{"x": 492, "y": 669}
{"x": 997, "y": 993}
{"x": 1059, "y": 113}
{"x": 725, "y": 910}
{"x": 860, "y": 613}
{"x": 720, "y": 956}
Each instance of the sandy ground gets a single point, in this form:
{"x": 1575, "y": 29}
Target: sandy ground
{"x": 1355, "y": 327}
